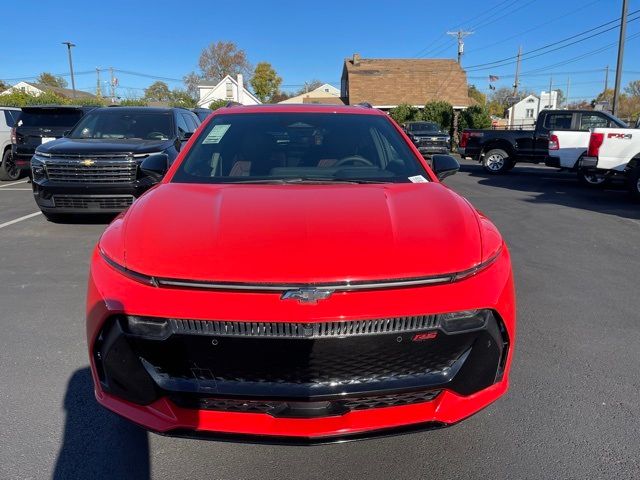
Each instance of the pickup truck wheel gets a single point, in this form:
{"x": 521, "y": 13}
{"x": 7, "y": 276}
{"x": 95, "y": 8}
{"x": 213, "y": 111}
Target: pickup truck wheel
{"x": 497, "y": 161}
{"x": 634, "y": 183}
{"x": 8, "y": 169}
{"x": 591, "y": 179}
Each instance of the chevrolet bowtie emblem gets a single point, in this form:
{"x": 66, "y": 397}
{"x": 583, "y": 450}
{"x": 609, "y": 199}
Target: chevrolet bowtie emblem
{"x": 88, "y": 162}
{"x": 306, "y": 295}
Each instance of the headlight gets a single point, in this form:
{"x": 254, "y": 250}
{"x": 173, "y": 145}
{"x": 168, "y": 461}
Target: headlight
{"x": 458, "y": 322}
{"x": 38, "y": 170}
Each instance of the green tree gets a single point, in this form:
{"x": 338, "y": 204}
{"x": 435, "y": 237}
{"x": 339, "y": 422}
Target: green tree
{"x": 216, "y": 104}
{"x": 158, "y": 92}
{"x": 496, "y": 108}
{"x": 440, "y": 112}
{"x": 265, "y": 82}
{"x": 181, "y": 98}
{"x": 604, "y": 96}
{"x": 633, "y": 88}
{"x": 133, "y": 102}
{"x": 46, "y": 78}
{"x": 476, "y": 116}
{"x": 477, "y": 95}
{"x": 405, "y": 113}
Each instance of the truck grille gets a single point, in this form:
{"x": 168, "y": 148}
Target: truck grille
{"x": 82, "y": 202}
{"x": 101, "y": 171}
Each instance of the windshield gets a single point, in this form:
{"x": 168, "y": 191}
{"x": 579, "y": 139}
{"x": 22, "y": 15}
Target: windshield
{"x": 117, "y": 124}
{"x": 49, "y": 118}
{"x": 424, "y": 127}
{"x": 297, "y": 147}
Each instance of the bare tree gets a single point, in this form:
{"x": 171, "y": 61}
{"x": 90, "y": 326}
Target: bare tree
{"x": 221, "y": 59}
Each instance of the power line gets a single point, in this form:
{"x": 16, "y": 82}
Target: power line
{"x": 491, "y": 65}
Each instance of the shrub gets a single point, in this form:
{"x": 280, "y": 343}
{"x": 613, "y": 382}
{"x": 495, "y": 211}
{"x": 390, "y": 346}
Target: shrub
{"x": 216, "y": 104}
{"x": 440, "y": 113}
{"x": 476, "y": 116}
{"x": 133, "y": 102}
{"x": 404, "y": 113}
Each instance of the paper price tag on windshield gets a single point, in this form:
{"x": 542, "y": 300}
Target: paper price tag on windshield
{"x": 216, "y": 134}
{"x": 418, "y": 179}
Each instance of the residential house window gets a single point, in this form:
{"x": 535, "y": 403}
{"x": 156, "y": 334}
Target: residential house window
{"x": 229, "y": 89}
{"x": 529, "y": 113}
{"x": 531, "y": 100}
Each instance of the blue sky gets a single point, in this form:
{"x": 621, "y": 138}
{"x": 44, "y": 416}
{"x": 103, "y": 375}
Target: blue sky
{"x": 306, "y": 40}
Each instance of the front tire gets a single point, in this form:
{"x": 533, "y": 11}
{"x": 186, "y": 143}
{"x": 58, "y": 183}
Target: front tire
{"x": 497, "y": 162}
{"x": 8, "y": 169}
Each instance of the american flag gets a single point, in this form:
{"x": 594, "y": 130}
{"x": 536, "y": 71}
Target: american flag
{"x": 493, "y": 78}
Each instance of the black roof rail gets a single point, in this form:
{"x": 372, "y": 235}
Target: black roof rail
{"x": 364, "y": 105}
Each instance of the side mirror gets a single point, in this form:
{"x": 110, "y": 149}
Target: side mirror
{"x": 155, "y": 166}
{"x": 444, "y": 166}
{"x": 186, "y": 136}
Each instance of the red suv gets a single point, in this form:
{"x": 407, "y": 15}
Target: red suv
{"x": 300, "y": 275}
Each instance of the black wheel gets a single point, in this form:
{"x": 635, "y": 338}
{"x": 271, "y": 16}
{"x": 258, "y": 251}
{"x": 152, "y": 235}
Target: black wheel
{"x": 8, "y": 169}
{"x": 591, "y": 179}
{"x": 496, "y": 162}
{"x": 633, "y": 183}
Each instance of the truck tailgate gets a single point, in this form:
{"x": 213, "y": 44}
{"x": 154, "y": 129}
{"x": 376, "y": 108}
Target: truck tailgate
{"x": 619, "y": 145}
{"x": 572, "y": 144}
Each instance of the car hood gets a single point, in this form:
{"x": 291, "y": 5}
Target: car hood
{"x": 298, "y": 233}
{"x": 100, "y": 146}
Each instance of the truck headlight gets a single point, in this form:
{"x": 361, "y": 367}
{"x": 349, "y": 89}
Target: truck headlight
{"x": 38, "y": 169}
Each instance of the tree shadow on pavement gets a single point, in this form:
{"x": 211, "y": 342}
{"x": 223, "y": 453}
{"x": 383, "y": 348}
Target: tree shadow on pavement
{"x": 560, "y": 188}
{"x": 97, "y": 443}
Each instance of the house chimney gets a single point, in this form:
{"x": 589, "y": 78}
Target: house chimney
{"x": 356, "y": 59}
{"x": 240, "y": 87}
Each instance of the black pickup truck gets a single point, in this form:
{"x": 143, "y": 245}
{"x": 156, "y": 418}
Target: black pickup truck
{"x": 500, "y": 150}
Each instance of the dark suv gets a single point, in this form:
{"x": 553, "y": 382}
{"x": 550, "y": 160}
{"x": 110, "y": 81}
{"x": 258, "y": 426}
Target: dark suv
{"x": 96, "y": 167}
{"x": 36, "y": 126}
{"x": 428, "y": 137}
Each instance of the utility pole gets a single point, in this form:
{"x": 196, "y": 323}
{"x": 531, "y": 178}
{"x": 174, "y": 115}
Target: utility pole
{"x": 112, "y": 83}
{"x": 517, "y": 80}
{"x": 550, "y": 96}
{"x": 623, "y": 32}
{"x": 460, "y": 34}
{"x": 566, "y": 98}
{"x": 73, "y": 80}
{"x": 98, "y": 87}
{"x": 606, "y": 79}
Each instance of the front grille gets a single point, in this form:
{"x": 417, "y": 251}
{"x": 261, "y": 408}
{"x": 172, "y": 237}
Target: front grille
{"x": 427, "y": 142}
{"x": 304, "y": 330}
{"x": 279, "y": 408}
{"x": 81, "y": 202}
{"x": 101, "y": 171}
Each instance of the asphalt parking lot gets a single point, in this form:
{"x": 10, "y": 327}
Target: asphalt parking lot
{"x": 573, "y": 409}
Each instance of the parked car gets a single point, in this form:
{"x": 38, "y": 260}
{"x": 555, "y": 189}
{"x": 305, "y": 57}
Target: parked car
{"x": 202, "y": 113}
{"x": 38, "y": 125}
{"x": 567, "y": 147}
{"x": 95, "y": 167}
{"x": 614, "y": 153}
{"x": 500, "y": 150}
{"x": 428, "y": 137}
{"x": 8, "y": 169}
{"x": 301, "y": 275}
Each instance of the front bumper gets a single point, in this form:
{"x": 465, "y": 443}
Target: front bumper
{"x": 198, "y": 404}
{"x": 54, "y": 197}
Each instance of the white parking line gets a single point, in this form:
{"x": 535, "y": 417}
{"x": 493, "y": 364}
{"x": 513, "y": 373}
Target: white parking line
{"x": 26, "y": 217}
{"x": 13, "y": 183}
{"x": 16, "y": 190}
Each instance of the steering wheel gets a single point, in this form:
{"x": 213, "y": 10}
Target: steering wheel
{"x": 155, "y": 136}
{"x": 353, "y": 158}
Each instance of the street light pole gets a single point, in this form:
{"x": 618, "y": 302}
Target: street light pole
{"x": 73, "y": 80}
{"x": 623, "y": 31}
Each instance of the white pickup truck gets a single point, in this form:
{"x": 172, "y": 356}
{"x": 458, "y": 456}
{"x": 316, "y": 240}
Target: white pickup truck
{"x": 615, "y": 152}
{"x": 568, "y": 147}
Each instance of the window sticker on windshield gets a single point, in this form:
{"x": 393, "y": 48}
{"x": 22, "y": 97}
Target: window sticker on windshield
{"x": 216, "y": 134}
{"x": 418, "y": 179}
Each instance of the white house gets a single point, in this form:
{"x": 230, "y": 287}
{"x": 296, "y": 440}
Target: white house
{"x": 525, "y": 112}
{"x": 37, "y": 89}
{"x": 326, "y": 93}
{"x": 229, "y": 89}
